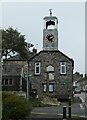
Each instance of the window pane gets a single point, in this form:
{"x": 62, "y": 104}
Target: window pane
{"x": 63, "y": 63}
{"x": 51, "y": 76}
{"x": 62, "y": 67}
{"x": 2, "y": 81}
{"x": 6, "y": 81}
{"x": 44, "y": 87}
{"x": 37, "y": 64}
{"x": 10, "y": 81}
{"x": 51, "y": 87}
{"x": 37, "y": 69}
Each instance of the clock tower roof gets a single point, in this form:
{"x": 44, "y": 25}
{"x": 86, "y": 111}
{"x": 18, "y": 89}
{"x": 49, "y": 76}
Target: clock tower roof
{"x": 50, "y": 17}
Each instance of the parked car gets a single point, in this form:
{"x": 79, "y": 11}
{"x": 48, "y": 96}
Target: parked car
{"x": 77, "y": 90}
{"x": 85, "y": 88}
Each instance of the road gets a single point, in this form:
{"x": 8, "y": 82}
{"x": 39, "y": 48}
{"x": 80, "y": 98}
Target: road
{"x": 82, "y": 96}
{"x": 83, "y": 105}
{"x": 77, "y": 108}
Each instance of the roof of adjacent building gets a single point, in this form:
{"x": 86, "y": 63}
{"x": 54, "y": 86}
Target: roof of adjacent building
{"x": 18, "y": 57}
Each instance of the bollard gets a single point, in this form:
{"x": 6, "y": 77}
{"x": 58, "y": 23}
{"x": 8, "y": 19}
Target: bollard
{"x": 69, "y": 107}
{"x": 64, "y": 112}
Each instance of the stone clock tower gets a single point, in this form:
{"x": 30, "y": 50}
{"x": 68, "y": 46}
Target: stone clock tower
{"x": 52, "y": 70}
{"x": 50, "y": 32}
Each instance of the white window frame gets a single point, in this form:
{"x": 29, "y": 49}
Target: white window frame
{"x": 44, "y": 87}
{"x": 8, "y": 82}
{"x": 39, "y": 64}
{"x": 62, "y": 66}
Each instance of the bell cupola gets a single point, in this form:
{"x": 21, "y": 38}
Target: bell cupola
{"x": 50, "y": 32}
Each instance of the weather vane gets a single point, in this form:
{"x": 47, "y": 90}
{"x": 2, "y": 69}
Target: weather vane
{"x": 50, "y": 12}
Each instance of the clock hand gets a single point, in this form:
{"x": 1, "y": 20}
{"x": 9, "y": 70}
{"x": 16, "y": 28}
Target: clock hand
{"x": 51, "y": 37}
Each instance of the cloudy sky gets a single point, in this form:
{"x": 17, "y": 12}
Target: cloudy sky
{"x": 27, "y": 17}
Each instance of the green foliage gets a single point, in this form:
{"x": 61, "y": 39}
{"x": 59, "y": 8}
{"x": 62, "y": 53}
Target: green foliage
{"x": 13, "y": 42}
{"x": 36, "y": 102}
{"x": 14, "y": 107}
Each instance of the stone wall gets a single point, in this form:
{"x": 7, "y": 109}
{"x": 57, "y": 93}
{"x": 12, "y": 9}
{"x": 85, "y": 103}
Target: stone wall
{"x": 12, "y": 69}
{"x": 62, "y": 83}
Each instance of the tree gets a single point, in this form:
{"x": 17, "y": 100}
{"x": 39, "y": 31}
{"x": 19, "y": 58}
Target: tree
{"x": 14, "y": 42}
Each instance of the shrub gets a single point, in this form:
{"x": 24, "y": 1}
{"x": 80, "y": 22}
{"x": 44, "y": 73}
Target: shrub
{"x": 14, "y": 107}
{"x": 36, "y": 102}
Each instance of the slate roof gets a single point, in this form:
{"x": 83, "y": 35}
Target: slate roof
{"x": 51, "y": 51}
{"x": 18, "y": 57}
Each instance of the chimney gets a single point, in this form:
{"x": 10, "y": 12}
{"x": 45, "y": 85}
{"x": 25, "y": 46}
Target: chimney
{"x": 34, "y": 50}
{"x": 85, "y": 75}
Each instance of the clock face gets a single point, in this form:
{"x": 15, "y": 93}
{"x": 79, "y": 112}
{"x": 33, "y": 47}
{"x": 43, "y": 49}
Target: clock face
{"x": 50, "y": 37}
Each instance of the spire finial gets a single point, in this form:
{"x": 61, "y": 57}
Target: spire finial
{"x": 50, "y": 12}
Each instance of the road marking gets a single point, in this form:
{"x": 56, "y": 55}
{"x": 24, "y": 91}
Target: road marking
{"x": 82, "y": 100}
{"x": 81, "y": 106}
{"x": 38, "y": 113}
{"x": 43, "y": 113}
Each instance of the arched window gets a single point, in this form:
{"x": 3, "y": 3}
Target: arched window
{"x": 50, "y": 24}
{"x": 50, "y": 68}
{"x": 50, "y": 71}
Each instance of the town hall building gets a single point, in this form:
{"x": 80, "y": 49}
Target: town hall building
{"x": 50, "y": 70}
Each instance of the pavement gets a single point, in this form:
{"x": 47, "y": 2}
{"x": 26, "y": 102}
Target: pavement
{"x": 53, "y": 117}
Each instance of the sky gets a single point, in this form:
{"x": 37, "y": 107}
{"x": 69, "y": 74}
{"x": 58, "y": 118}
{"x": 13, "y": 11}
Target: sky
{"x": 27, "y": 17}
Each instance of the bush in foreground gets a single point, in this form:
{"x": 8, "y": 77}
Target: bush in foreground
{"x": 14, "y": 107}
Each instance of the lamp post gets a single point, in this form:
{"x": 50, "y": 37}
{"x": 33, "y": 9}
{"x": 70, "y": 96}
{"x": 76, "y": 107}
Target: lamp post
{"x": 27, "y": 86}
{"x": 28, "y": 82}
